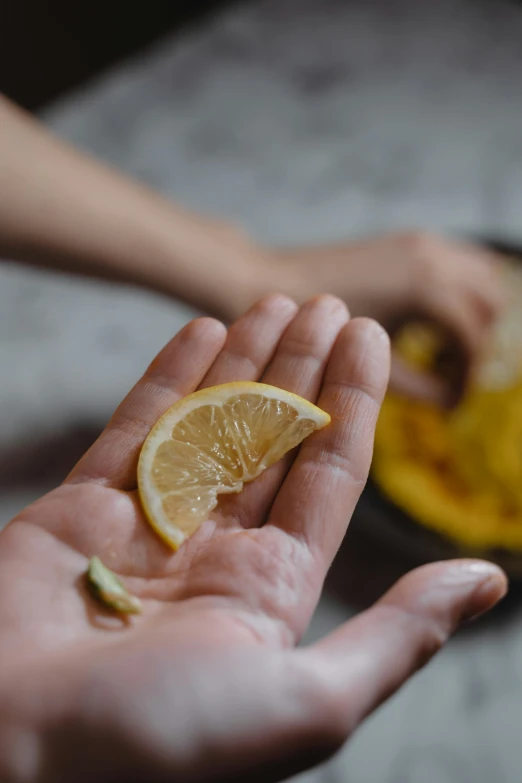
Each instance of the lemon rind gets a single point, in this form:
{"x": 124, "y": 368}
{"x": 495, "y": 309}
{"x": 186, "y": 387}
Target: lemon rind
{"x": 151, "y": 499}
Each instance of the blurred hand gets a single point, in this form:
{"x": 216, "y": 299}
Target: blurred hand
{"x": 118, "y": 229}
{"x": 413, "y": 276}
{"x": 208, "y": 684}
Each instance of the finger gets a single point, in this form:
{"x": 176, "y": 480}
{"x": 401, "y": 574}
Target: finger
{"x": 174, "y": 373}
{"x": 302, "y": 355}
{"x": 297, "y": 366}
{"x": 409, "y": 382}
{"x": 251, "y": 341}
{"x": 471, "y": 266}
{"x": 479, "y": 270}
{"x": 464, "y": 336}
{"x": 320, "y": 492}
{"x": 369, "y": 658}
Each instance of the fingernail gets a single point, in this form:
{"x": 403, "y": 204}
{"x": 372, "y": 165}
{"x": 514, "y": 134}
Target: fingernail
{"x": 481, "y": 568}
{"x": 377, "y": 332}
{"x": 491, "y": 587}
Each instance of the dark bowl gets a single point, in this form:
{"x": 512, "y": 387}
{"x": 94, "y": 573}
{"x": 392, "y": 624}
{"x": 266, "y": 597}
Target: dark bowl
{"x": 382, "y": 522}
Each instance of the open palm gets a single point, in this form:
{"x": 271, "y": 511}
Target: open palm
{"x": 209, "y": 682}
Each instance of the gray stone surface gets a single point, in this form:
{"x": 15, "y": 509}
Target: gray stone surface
{"x": 307, "y": 120}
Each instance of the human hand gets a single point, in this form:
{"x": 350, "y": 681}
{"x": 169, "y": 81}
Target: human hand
{"x": 413, "y": 276}
{"x": 117, "y": 229}
{"x": 209, "y": 683}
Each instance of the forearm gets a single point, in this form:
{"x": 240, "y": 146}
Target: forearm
{"x": 61, "y": 209}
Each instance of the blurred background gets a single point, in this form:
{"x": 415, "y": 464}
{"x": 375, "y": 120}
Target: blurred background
{"x": 306, "y": 120}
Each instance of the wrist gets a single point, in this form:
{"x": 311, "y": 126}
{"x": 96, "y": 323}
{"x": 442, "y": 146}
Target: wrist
{"x": 348, "y": 271}
{"x": 213, "y": 266}
{"x": 259, "y": 271}
{"x": 218, "y": 267}
{"x": 303, "y": 273}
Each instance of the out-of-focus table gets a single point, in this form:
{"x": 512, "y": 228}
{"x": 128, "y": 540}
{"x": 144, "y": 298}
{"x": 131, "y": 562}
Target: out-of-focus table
{"x": 307, "y": 120}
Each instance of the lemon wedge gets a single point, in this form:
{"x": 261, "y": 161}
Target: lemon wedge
{"x": 213, "y": 442}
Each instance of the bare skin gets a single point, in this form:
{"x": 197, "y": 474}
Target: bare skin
{"x": 417, "y": 276}
{"x": 61, "y": 209}
{"x": 209, "y": 684}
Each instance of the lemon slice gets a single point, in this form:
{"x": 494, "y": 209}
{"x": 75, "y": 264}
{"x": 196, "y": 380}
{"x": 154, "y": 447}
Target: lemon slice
{"x": 212, "y": 442}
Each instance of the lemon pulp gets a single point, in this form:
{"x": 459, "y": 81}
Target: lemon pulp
{"x": 213, "y": 442}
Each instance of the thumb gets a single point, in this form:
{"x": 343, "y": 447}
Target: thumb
{"x": 461, "y": 334}
{"x": 367, "y": 659}
{"x": 322, "y": 693}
